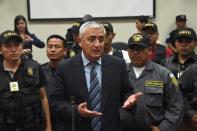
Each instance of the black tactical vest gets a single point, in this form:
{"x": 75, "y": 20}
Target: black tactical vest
{"x": 20, "y": 108}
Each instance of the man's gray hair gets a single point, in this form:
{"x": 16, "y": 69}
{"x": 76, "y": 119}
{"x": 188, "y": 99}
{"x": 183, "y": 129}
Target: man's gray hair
{"x": 90, "y": 24}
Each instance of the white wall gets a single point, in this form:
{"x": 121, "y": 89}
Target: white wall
{"x": 166, "y": 10}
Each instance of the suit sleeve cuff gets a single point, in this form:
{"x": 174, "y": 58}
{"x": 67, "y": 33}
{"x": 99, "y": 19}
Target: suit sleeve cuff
{"x": 165, "y": 126}
{"x": 190, "y": 113}
{"x": 77, "y": 116}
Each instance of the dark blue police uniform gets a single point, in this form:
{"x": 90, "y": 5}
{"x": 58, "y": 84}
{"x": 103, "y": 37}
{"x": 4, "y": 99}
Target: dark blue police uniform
{"x": 20, "y": 105}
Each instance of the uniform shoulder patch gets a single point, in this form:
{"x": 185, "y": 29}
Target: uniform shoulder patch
{"x": 174, "y": 80}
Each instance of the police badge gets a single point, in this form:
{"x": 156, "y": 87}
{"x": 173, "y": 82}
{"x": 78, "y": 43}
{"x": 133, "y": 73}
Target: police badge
{"x": 30, "y": 71}
{"x": 72, "y": 53}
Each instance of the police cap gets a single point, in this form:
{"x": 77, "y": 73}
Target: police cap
{"x": 138, "y": 39}
{"x": 150, "y": 27}
{"x": 181, "y": 18}
{"x": 9, "y": 35}
{"x": 76, "y": 26}
{"x": 108, "y": 26}
{"x": 186, "y": 32}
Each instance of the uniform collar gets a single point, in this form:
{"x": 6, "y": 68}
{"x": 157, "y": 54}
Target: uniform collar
{"x": 22, "y": 63}
{"x": 148, "y": 66}
{"x": 193, "y": 58}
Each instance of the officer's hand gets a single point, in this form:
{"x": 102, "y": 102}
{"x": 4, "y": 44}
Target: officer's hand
{"x": 132, "y": 100}
{"x": 155, "y": 128}
{"x": 83, "y": 111}
{"x": 194, "y": 120}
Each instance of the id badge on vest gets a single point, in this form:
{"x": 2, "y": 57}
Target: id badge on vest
{"x": 14, "y": 86}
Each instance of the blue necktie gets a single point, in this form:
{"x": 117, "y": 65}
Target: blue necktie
{"x": 95, "y": 97}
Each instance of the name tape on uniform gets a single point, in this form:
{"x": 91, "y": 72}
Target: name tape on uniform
{"x": 152, "y": 83}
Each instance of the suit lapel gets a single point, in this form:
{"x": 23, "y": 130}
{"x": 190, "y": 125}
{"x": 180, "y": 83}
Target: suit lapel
{"x": 79, "y": 74}
{"x": 106, "y": 74}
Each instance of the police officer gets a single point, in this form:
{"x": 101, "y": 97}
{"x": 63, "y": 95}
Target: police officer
{"x": 108, "y": 48}
{"x": 185, "y": 43}
{"x": 72, "y": 43}
{"x": 160, "y": 108}
{"x": 22, "y": 90}
{"x": 157, "y": 52}
{"x": 180, "y": 65}
{"x": 188, "y": 82}
{"x": 180, "y": 24}
{"x": 73, "y": 33}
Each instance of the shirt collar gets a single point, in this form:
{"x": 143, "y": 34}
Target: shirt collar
{"x": 22, "y": 63}
{"x": 86, "y": 61}
{"x": 192, "y": 58}
{"x": 111, "y": 52}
